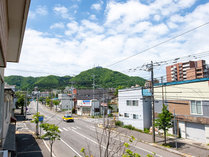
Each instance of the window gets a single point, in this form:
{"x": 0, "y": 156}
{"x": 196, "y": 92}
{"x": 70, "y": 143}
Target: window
{"x": 135, "y": 102}
{"x": 135, "y": 116}
{"x": 132, "y": 102}
{"x": 126, "y": 115}
{"x": 128, "y": 102}
{"x": 196, "y": 107}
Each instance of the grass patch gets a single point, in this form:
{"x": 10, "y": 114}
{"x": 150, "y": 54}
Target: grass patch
{"x": 166, "y": 145}
{"x": 119, "y": 123}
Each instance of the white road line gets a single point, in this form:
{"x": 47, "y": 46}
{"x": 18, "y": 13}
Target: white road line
{"x": 78, "y": 127}
{"x": 134, "y": 145}
{"x": 60, "y": 130}
{"x": 65, "y": 129}
{"x": 74, "y": 128}
{"x": 87, "y": 138}
{"x": 69, "y": 128}
{"x": 71, "y": 148}
{"x": 48, "y": 148}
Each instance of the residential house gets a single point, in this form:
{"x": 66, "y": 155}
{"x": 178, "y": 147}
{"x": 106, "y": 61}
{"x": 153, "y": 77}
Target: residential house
{"x": 88, "y": 107}
{"x": 13, "y": 16}
{"x": 190, "y": 101}
{"x": 66, "y": 102}
{"x": 135, "y": 107}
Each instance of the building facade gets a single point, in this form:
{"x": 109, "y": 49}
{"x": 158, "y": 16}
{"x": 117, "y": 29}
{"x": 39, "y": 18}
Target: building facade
{"x": 134, "y": 108}
{"x": 13, "y": 17}
{"x": 66, "y": 102}
{"x": 187, "y": 71}
{"x": 88, "y": 107}
{"x": 190, "y": 101}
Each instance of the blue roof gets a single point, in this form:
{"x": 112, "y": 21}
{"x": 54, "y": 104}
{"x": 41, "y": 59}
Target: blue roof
{"x": 181, "y": 82}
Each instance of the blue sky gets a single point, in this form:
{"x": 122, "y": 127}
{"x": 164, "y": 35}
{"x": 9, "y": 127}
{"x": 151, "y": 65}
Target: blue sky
{"x": 68, "y": 36}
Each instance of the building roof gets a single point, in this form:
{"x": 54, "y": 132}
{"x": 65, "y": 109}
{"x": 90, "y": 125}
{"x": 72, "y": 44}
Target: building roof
{"x": 182, "y": 82}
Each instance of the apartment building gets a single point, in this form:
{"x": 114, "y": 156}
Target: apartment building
{"x": 187, "y": 71}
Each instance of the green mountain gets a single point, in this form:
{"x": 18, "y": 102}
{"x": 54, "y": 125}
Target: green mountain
{"x": 103, "y": 77}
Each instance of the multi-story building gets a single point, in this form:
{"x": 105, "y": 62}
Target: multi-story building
{"x": 190, "y": 101}
{"x": 13, "y": 16}
{"x": 187, "y": 71}
{"x": 135, "y": 107}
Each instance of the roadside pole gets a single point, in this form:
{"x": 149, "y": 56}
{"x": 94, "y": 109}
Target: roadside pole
{"x": 153, "y": 105}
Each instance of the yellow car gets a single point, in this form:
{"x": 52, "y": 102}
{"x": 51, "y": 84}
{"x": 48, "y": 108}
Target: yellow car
{"x": 68, "y": 118}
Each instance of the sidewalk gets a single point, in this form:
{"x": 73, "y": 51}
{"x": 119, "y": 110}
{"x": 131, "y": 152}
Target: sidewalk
{"x": 185, "y": 147}
{"x": 27, "y": 145}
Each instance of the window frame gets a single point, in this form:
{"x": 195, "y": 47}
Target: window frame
{"x": 201, "y": 109}
{"x": 126, "y": 115}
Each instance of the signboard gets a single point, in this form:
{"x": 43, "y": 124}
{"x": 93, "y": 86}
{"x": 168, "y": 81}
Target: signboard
{"x": 86, "y": 103}
{"x": 41, "y": 118}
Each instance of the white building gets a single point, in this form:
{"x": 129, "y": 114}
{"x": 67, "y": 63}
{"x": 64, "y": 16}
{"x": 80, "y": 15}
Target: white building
{"x": 134, "y": 108}
{"x": 88, "y": 107}
{"x": 66, "y": 102}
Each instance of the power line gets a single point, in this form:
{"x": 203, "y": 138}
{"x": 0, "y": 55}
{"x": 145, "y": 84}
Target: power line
{"x": 161, "y": 43}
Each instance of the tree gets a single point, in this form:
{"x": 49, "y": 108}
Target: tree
{"x": 116, "y": 90}
{"x": 56, "y": 102}
{"x": 48, "y": 101}
{"x": 36, "y": 120}
{"x": 52, "y": 133}
{"x": 164, "y": 121}
{"x": 20, "y": 101}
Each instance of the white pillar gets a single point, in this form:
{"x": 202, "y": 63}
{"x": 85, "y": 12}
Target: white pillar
{"x": 182, "y": 129}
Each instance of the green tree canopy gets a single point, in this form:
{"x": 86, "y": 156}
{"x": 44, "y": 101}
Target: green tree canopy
{"x": 164, "y": 121}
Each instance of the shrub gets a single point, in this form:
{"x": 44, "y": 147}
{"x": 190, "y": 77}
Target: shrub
{"x": 146, "y": 130}
{"x": 110, "y": 115}
{"x": 118, "y": 123}
{"x": 130, "y": 127}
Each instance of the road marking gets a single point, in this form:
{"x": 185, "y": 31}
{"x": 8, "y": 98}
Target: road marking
{"x": 60, "y": 130}
{"x": 71, "y": 148}
{"x": 131, "y": 144}
{"x": 74, "y": 128}
{"x": 65, "y": 129}
{"x": 69, "y": 128}
{"x": 48, "y": 148}
{"x": 78, "y": 127}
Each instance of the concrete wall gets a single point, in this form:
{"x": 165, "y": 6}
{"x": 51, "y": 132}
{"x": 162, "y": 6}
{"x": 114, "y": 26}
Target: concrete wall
{"x": 187, "y": 91}
{"x": 1, "y": 109}
{"x": 207, "y": 133}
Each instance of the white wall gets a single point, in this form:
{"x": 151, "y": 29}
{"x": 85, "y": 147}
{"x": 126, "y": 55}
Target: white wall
{"x": 182, "y": 129}
{"x": 207, "y": 133}
{"x": 131, "y": 94}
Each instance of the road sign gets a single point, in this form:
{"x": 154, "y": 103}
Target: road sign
{"x": 41, "y": 118}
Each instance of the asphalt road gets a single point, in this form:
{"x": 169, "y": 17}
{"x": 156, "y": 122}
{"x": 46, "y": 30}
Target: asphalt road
{"x": 84, "y": 133}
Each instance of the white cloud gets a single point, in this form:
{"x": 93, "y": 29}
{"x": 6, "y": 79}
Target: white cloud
{"x": 62, "y": 11}
{"x": 92, "y": 17}
{"x": 127, "y": 29}
{"x": 42, "y": 10}
{"x": 57, "y": 25}
{"x": 96, "y": 6}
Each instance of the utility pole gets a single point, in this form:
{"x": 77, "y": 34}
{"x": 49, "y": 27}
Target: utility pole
{"x": 26, "y": 103}
{"x": 162, "y": 90}
{"x": 36, "y": 89}
{"x": 153, "y": 101}
{"x": 93, "y": 93}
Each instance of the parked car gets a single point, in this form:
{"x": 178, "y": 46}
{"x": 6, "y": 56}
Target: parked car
{"x": 68, "y": 118}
